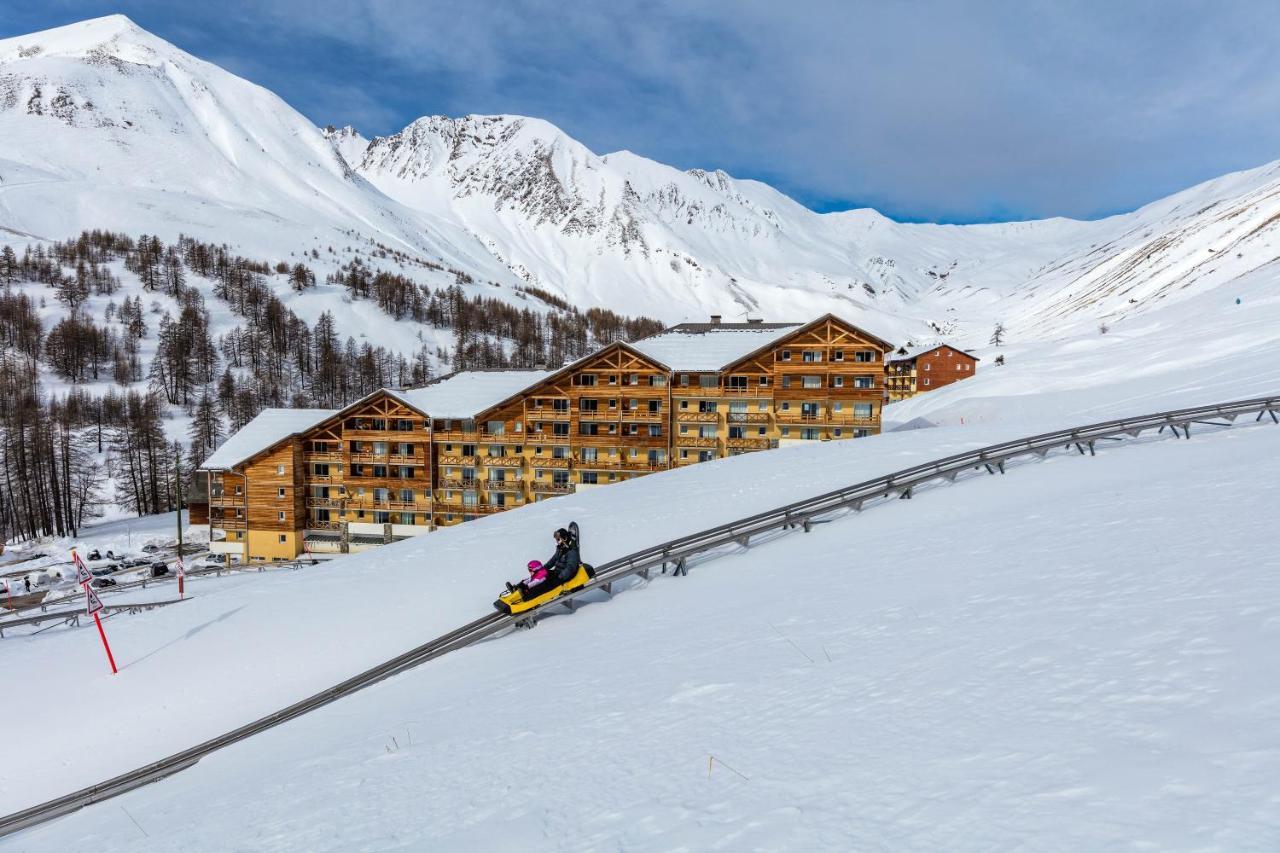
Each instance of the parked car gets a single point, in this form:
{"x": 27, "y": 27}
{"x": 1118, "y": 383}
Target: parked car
{"x": 151, "y": 548}
{"x": 159, "y": 569}
{"x": 104, "y": 569}
{"x": 99, "y": 583}
{"x": 215, "y": 559}
{"x": 131, "y": 562}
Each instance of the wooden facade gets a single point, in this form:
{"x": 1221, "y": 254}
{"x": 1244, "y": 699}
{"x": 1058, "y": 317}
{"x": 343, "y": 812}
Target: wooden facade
{"x": 908, "y": 374}
{"x": 381, "y": 469}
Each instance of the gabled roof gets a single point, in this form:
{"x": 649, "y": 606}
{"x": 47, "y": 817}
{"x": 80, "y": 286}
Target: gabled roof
{"x": 912, "y": 353}
{"x": 569, "y": 368}
{"x": 710, "y": 346}
{"x": 270, "y": 427}
{"x": 806, "y": 327}
{"x": 468, "y": 393}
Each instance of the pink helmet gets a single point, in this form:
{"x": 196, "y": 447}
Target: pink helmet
{"x": 534, "y": 565}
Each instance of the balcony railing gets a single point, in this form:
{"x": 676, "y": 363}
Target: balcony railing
{"x": 598, "y": 415}
{"x": 748, "y": 417}
{"x": 322, "y": 455}
{"x": 457, "y": 460}
{"x": 695, "y": 441}
{"x": 643, "y": 415}
{"x": 323, "y": 503}
{"x": 502, "y": 461}
{"x": 751, "y": 443}
{"x": 511, "y": 484}
{"x": 228, "y": 523}
{"x": 545, "y": 438}
{"x": 548, "y": 462}
{"x": 457, "y": 483}
{"x": 234, "y": 501}
{"x": 799, "y": 417}
{"x": 457, "y": 435}
{"x": 698, "y": 417}
{"x": 551, "y": 488}
{"x": 546, "y": 414}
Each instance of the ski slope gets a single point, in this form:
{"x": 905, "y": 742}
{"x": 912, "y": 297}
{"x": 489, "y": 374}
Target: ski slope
{"x": 712, "y": 659}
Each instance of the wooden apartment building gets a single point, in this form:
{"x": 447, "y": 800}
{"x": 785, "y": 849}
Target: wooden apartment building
{"x": 399, "y": 463}
{"x": 910, "y": 372}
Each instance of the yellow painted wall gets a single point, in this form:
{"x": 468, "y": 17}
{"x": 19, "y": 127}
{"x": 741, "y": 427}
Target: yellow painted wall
{"x": 265, "y": 545}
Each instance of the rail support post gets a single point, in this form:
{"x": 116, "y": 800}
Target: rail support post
{"x": 808, "y": 525}
{"x": 990, "y": 470}
{"x": 905, "y": 494}
{"x": 951, "y": 476}
{"x": 608, "y": 588}
{"x": 744, "y": 540}
{"x": 1091, "y": 451}
{"x": 681, "y": 568}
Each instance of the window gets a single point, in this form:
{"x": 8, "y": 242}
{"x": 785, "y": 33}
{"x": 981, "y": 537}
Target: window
{"x": 737, "y": 383}
{"x": 585, "y": 380}
{"x": 406, "y": 496}
{"x": 382, "y": 518}
{"x": 589, "y": 454}
{"x": 280, "y": 515}
{"x": 927, "y": 365}
{"x": 318, "y": 469}
{"x": 861, "y": 433}
{"x": 706, "y": 405}
{"x": 810, "y": 434}
{"x": 279, "y": 469}
{"x": 837, "y": 381}
{"x": 560, "y": 429}
{"x": 837, "y": 432}
{"x": 865, "y": 356}
{"x": 588, "y": 429}
{"x": 283, "y": 538}
{"x": 684, "y": 454}
{"x": 811, "y": 381}
{"x": 707, "y": 380}
{"x": 786, "y": 355}
{"x": 811, "y": 356}
{"x": 684, "y": 380}
{"x": 706, "y": 455}
{"x": 837, "y": 355}
{"x": 736, "y": 432}
{"x": 613, "y": 379}
{"x": 863, "y": 382}
{"x": 586, "y": 404}
{"x": 495, "y": 427}
{"x": 590, "y": 478}
{"x": 658, "y": 381}
{"x": 786, "y": 431}
{"x": 560, "y": 404}
{"x": 926, "y": 382}
{"x": 280, "y": 492}
{"x": 764, "y": 381}
{"x": 862, "y": 410}
{"x": 379, "y": 470}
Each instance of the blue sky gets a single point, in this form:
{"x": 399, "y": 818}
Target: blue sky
{"x": 924, "y": 109}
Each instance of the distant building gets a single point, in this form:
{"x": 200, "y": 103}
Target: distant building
{"x": 399, "y": 463}
{"x": 915, "y": 371}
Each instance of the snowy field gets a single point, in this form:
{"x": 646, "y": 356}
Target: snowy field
{"x": 1087, "y": 669}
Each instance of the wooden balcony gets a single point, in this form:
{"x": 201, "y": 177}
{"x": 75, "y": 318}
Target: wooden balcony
{"x": 392, "y": 435}
{"x": 324, "y": 503}
{"x": 748, "y": 417}
{"x": 314, "y": 526}
{"x": 502, "y": 461}
{"x": 229, "y": 523}
{"x": 469, "y": 461}
{"x": 843, "y": 419}
{"x": 378, "y": 458}
{"x": 546, "y": 414}
{"x": 643, "y": 416}
{"x": 454, "y": 435}
{"x": 750, "y": 443}
{"x": 548, "y": 462}
{"x": 233, "y": 501}
{"x": 698, "y": 417}
{"x": 545, "y": 438}
{"x": 511, "y": 484}
{"x": 546, "y": 488}
{"x": 799, "y": 418}
{"x": 642, "y": 465}
{"x": 457, "y": 483}
{"x": 695, "y": 441}
{"x": 598, "y": 415}
{"x": 331, "y": 456}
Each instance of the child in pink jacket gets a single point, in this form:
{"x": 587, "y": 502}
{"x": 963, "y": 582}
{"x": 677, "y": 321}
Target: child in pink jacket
{"x": 537, "y": 575}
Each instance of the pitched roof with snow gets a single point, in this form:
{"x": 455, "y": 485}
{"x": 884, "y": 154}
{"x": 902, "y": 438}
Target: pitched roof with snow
{"x": 705, "y": 346}
{"x": 269, "y": 427}
{"x": 469, "y": 392}
{"x": 910, "y": 353}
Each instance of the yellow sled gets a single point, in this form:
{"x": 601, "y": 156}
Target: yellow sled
{"x": 513, "y": 602}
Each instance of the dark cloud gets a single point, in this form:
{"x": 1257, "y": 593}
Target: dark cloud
{"x": 927, "y": 109}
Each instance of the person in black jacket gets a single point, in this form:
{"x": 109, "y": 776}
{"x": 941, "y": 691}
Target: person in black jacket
{"x": 564, "y": 563}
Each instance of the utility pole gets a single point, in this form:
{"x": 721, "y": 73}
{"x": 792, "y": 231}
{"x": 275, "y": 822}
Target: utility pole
{"x": 177, "y": 485}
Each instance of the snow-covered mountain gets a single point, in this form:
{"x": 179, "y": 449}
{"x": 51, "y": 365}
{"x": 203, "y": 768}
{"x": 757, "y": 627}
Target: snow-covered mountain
{"x": 106, "y": 125}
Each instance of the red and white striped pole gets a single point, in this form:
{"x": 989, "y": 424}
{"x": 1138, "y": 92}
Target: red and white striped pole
{"x": 93, "y": 604}
{"x": 182, "y": 576}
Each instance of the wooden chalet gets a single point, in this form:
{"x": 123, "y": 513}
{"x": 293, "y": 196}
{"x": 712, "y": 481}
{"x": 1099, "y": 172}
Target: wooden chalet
{"x": 915, "y": 371}
{"x": 399, "y": 463}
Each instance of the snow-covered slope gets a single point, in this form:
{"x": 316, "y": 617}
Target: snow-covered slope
{"x": 862, "y": 683}
{"x": 108, "y": 126}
